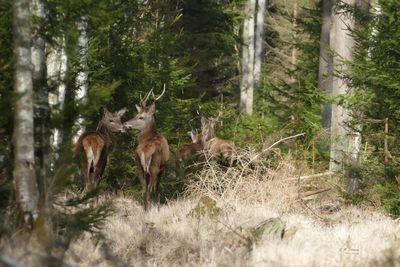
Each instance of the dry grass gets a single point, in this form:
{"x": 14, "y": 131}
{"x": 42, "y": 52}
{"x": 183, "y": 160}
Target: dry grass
{"x": 217, "y": 223}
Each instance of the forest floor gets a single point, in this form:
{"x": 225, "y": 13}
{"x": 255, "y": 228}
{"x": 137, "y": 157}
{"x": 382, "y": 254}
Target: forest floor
{"x": 265, "y": 211}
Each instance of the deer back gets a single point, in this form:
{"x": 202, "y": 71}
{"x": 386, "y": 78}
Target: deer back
{"x": 187, "y": 150}
{"x": 218, "y": 146}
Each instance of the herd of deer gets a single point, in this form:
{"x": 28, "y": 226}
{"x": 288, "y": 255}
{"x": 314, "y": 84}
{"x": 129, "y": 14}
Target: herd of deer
{"x": 152, "y": 152}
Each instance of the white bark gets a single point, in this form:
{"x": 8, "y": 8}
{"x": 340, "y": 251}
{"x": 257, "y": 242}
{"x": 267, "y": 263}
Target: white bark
{"x": 82, "y": 77}
{"x": 345, "y": 142}
{"x": 24, "y": 162}
{"x": 41, "y": 107}
{"x": 247, "y": 82}
{"x": 326, "y": 60}
{"x": 56, "y": 74}
{"x": 259, "y": 39}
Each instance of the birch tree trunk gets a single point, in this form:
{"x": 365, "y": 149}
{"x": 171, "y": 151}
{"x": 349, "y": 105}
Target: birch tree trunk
{"x": 82, "y": 77}
{"x": 24, "y": 161}
{"x": 326, "y": 61}
{"x": 259, "y": 39}
{"x": 345, "y": 142}
{"x": 41, "y": 107}
{"x": 247, "y": 81}
{"x": 56, "y": 63}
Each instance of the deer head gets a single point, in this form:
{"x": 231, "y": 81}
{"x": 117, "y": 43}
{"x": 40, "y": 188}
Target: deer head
{"x": 208, "y": 128}
{"x": 145, "y": 114}
{"x": 112, "y": 120}
{"x": 195, "y": 136}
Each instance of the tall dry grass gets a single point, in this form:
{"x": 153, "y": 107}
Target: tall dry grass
{"x": 224, "y": 219}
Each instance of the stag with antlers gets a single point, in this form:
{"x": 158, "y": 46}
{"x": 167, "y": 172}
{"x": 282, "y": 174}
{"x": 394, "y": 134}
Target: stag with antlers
{"x": 96, "y": 146}
{"x": 152, "y": 152}
{"x": 215, "y": 146}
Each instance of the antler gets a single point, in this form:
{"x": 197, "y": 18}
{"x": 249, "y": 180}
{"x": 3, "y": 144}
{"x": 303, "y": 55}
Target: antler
{"x": 143, "y": 102}
{"x": 158, "y": 97}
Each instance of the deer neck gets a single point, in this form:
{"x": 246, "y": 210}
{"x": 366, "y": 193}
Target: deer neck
{"x": 106, "y": 133}
{"x": 150, "y": 131}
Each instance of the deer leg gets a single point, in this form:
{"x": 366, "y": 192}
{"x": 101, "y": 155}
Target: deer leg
{"x": 99, "y": 169}
{"x": 85, "y": 175}
{"x": 142, "y": 179}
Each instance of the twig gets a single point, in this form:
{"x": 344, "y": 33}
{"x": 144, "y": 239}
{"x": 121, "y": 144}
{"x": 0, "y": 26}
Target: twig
{"x": 274, "y": 144}
{"x": 245, "y": 238}
{"x": 316, "y": 192}
{"x": 309, "y": 176}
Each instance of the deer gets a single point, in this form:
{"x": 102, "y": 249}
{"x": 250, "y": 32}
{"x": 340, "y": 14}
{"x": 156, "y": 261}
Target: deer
{"x": 96, "y": 146}
{"x": 215, "y": 146}
{"x": 188, "y": 150}
{"x": 152, "y": 151}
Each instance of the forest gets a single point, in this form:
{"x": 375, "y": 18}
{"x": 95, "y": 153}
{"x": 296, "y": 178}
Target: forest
{"x": 199, "y": 133}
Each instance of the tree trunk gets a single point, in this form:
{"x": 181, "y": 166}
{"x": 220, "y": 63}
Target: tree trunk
{"x": 56, "y": 74}
{"x": 326, "y": 61}
{"x": 259, "y": 39}
{"x": 82, "y": 77}
{"x": 345, "y": 142}
{"x": 41, "y": 107}
{"x": 24, "y": 158}
{"x": 247, "y": 82}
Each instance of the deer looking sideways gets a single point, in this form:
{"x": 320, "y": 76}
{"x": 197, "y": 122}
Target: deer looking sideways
{"x": 215, "y": 146}
{"x": 97, "y": 145}
{"x": 152, "y": 152}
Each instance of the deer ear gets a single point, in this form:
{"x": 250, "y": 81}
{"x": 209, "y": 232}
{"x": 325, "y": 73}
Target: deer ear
{"x": 193, "y": 135}
{"x": 138, "y": 108}
{"x": 105, "y": 111}
{"x": 152, "y": 108}
{"x": 121, "y": 112}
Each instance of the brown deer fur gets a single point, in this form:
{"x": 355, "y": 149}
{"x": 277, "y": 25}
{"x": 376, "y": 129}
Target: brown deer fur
{"x": 152, "y": 152}
{"x": 188, "y": 150}
{"x": 96, "y": 146}
{"x": 215, "y": 146}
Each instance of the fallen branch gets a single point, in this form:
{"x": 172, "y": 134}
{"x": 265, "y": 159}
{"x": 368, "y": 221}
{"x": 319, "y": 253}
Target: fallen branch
{"x": 309, "y": 176}
{"x": 316, "y": 192}
{"x": 274, "y": 144}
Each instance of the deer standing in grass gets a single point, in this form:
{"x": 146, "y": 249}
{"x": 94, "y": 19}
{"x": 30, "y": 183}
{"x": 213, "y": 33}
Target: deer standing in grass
{"x": 188, "y": 150}
{"x": 152, "y": 152}
{"x": 96, "y": 146}
{"x": 215, "y": 146}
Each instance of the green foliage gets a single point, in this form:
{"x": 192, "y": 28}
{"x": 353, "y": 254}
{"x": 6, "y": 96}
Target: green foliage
{"x": 294, "y": 100}
{"x": 374, "y": 76}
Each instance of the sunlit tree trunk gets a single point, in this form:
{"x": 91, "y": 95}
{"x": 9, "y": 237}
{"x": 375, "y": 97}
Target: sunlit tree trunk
{"x": 56, "y": 73}
{"x": 82, "y": 77}
{"x": 345, "y": 142}
{"x": 247, "y": 80}
{"x": 259, "y": 39}
{"x": 24, "y": 158}
{"x": 325, "y": 60}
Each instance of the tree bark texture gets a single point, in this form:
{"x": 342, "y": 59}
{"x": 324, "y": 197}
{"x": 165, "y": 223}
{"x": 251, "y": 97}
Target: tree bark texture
{"x": 56, "y": 63}
{"x": 24, "y": 158}
{"x": 41, "y": 97}
{"x": 259, "y": 39}
{"x": 345, "y": 142}
{"x": 326, "y": 60}
{"x": 82, "y": 77}
{"x": 247, "y": 82}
